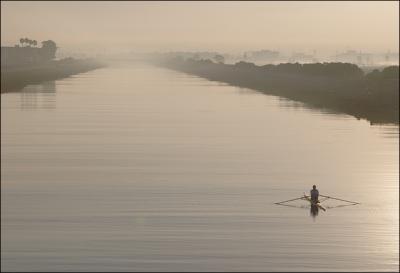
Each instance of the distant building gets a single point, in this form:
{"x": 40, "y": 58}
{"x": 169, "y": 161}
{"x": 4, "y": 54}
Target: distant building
{"x": 391, "y": 57}
{"x": 25, "y": 56}
{"x": 266, "y": 56}
{"x": 302, "y": 58}
{"x": 352, "y": 56}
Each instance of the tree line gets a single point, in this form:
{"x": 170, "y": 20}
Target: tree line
{"x": 343, "y": 87}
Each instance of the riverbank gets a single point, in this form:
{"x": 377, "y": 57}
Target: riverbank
{"x": 14, "y": 79}
{"x": 337, "y": 87}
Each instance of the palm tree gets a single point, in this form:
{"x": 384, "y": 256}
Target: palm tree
{"x": 34, "y": 42}
{"x": 22, "y": 41}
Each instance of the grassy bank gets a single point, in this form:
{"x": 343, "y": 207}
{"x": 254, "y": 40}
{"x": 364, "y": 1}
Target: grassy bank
{"x": 14, "y": 79}
{"x": 338, "y": 87}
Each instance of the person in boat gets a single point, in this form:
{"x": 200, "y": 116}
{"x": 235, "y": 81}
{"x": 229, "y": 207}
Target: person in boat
{"x": 314, "y": 194}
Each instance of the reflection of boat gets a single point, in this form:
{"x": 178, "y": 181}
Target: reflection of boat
{"x": 315, "y": 206}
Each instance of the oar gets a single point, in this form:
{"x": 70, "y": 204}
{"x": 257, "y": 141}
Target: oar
{"x": 339, "y": 199}
{"x": 292, "y": 206}
{"x": 290, "y": 200}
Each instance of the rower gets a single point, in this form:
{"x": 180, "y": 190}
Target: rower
{"x": 314, "y": 194}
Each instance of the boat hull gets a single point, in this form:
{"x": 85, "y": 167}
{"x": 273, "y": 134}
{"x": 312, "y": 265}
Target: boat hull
{"x": 318, "y": 205}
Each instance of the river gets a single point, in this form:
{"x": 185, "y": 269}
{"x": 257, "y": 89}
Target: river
{"x": 139, "y": 168}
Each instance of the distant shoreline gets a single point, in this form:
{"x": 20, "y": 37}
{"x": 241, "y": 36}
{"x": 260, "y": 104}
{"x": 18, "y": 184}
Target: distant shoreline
{"x": 13, "y": 79}
{"x": 340, "y": 87}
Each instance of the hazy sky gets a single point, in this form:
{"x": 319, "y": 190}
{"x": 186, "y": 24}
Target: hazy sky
{"x": 223, "y": 26}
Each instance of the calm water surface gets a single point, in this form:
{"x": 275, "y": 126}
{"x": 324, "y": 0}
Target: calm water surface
{"x": 133, "y": 167}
